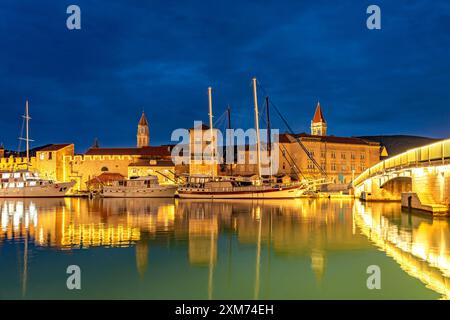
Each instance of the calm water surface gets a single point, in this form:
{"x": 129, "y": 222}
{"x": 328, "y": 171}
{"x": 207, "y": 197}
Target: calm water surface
{"x": 184, "y": 249}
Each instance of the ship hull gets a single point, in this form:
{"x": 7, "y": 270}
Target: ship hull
{"x": 269, "y": 193}
{"x": 111, "y": 192}
{"x": 55, "y": 190}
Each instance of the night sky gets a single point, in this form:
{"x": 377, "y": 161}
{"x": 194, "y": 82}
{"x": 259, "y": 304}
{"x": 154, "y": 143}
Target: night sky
{"x": 162, "y": 55}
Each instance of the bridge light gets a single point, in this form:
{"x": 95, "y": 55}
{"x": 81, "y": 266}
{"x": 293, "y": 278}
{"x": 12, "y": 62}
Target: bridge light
{"x": 418, "y": 172}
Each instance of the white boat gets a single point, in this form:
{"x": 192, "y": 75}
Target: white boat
{"x": 26, "y": 184}
{"x": 213, "y": 187}
{"x": 142, "y": 187}
{"x": 205, "y": 187}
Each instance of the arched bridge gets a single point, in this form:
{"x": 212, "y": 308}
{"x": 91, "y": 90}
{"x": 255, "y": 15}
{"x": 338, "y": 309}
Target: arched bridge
{"x": 420, "y": 178}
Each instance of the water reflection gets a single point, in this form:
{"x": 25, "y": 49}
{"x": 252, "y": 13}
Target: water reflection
{"x": 209, "y": 231}
{"x": 419, "y": 244}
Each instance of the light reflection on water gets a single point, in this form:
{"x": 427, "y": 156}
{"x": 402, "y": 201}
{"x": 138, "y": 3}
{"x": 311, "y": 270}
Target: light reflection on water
{"x": 420, "y": 245}
{"x": 293, "y": 249}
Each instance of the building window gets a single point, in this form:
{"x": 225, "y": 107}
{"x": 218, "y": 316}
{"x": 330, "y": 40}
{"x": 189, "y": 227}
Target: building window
{"x": 105, "y": 169}
{"x": 323, "y": 165}
{"x": 50, "y": 155}
{"x": 344, "y": 168}
{"x": 342, "y": 155}
{"x": 352, "y": 166}
{"x": 363, "y": 156}
{"x": 333, "y": 155}
{"x": 353, "y": 156}
{"x": 333, "y": 167}
{"x": 323, "y": 154}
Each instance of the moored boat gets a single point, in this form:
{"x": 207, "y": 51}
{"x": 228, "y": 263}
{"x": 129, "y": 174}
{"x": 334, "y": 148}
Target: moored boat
{"x": 141, "y": 187}
{"x": 220, "y": 187}
{"x": 27, "y": 184}
{"x": 205, "y": 187}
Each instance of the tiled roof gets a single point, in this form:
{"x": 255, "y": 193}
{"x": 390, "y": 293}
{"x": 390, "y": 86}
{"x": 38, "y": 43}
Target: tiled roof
{"x": 106, "y": 177}
{"x": 143, "y": 121}
{"x": 286, "y": 138}
{"x": 150, "y": 151}
{"x": 318, "y": 116}
{"x": 55, "y": 147}
{"x": 150, "y": 163}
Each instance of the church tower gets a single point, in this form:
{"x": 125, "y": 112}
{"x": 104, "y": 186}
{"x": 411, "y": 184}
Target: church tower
{"x": 143, "y": 132}
{"x": 318, "y": 123}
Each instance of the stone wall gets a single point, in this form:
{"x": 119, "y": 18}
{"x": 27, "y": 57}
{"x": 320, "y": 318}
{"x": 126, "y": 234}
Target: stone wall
{"x": 83, "y": 168}
{"x": 433, "y": 182}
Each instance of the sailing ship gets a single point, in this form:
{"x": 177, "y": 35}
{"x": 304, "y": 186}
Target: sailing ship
{"x": 219, "y": 187}
{"x": 28, "y": 184}
{"x": 207, "y": 187}
{"x": 141, "y": 187}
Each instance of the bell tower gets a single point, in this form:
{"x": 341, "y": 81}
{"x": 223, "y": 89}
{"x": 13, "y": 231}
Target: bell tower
{"x": 318, "y": 123}
{"x": 143, "y": 132}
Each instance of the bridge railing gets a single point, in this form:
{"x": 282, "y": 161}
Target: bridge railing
{"x": 417, "y": 156}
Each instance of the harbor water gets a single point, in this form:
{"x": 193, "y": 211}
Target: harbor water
{"x": 236, "y": 249}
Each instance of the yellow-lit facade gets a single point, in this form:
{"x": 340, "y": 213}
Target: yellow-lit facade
{"x": 48, "y": 161}
{"x": 201, "y": 150}
{"x": 342, "y": 159}
{"x": 59, "y": 162}
{"x": 164, "y": 170}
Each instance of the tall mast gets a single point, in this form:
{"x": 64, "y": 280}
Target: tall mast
{"x": 27, "y": 118}
{"x": 230, "y": 137}
{"x": 269, "y": 138}
{"x": 211, "y": 129}
{"x": 258, "y": 142}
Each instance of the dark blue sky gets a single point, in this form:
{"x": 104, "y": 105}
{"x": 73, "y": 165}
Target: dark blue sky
{"x": 162, "y": 55}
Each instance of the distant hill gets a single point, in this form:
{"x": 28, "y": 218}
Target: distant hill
{"x": 400, "y": 143}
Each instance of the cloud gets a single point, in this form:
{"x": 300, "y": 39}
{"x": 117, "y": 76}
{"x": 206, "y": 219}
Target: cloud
{"x": 162, "y": 55}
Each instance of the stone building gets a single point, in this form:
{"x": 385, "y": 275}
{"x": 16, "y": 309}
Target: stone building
{"x": 164, "y": 169}
{"x": 200, "y": 149}
{"x": 143, "y": 132}
{"x": 12, "y": 163}
{"x": 341, "y": 158}
{"x": 142, "y": 160}
{"x": 82, "y": 168}
{"x": 318, "y": 123}
{"x": 47, "y": 160}
{"x": 50, "y": 161}
{"x": 59, "y": 162}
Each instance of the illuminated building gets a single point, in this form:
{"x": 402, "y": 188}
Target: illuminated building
{"x": 143, "y": 132}
{"x": 318, "y": 123}
{"x": 342, "y": 158}
{"x": 202, "y": 151}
